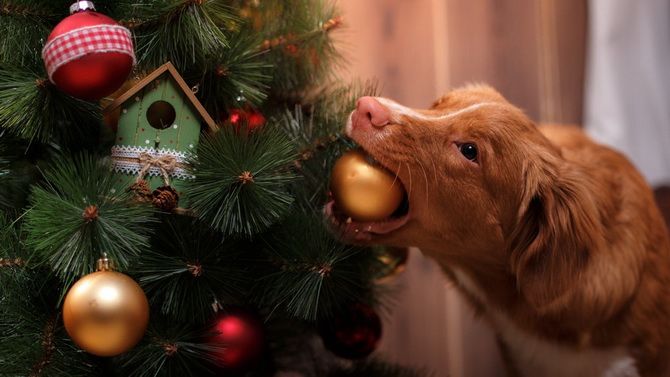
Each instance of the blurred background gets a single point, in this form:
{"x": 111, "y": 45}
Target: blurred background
{"x": 602, "y": 64}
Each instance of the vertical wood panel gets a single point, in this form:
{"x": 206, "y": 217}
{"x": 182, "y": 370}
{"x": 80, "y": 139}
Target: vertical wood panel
{"x": 532, "y": 51}
{"x": 495, "y": 42}
{"x": 572, "y": 31}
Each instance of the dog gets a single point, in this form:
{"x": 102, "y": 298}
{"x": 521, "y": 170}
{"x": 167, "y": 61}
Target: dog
{"x": 554, "y": 239}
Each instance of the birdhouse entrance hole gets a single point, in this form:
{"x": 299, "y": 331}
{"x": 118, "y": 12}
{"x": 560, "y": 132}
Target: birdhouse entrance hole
{"x": 161, "y": 115}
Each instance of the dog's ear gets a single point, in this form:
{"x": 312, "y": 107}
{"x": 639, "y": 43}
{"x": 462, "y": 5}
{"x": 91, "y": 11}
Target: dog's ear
{"x": 557, "y": 228}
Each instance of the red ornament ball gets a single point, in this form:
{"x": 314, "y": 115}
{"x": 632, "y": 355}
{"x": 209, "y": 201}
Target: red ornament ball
{"x": 354, "y": 334}
{"x": 251, "y": 119}
{"x": 238, "y": 339}
{"x": 89, "y": 55}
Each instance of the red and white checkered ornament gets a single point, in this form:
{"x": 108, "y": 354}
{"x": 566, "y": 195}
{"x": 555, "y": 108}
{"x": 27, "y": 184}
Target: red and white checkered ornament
{"x": 88, "y": 55}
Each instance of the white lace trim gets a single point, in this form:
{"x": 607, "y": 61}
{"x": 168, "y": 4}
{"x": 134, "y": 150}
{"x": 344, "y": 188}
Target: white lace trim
{"x": 122, "y": 152}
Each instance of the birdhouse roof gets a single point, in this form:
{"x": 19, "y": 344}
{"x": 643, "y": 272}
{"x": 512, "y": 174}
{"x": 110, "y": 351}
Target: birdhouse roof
{"x": 167, "y": 67}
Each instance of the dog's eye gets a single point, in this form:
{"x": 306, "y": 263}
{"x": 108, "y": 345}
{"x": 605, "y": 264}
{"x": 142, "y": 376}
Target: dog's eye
{"x": 469, "y": 150}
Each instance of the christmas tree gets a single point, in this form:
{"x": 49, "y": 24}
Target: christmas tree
{"x": 163, "y": 168}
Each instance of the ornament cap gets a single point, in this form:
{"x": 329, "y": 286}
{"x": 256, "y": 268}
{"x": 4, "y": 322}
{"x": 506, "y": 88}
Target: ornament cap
{"x": 81, "y": 6}
{"x": 104, "y": 264}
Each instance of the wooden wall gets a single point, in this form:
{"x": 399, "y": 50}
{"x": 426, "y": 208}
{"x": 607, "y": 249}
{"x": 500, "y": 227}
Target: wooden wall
{"x": 533, "y": 51}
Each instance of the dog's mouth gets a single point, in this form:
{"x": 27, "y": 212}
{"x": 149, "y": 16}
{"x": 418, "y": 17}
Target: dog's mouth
{"x": 361, "y": 231}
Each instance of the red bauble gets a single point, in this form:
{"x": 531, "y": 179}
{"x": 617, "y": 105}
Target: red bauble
{"x": 238, "y": 339}
{"x": 89, "y": 55}
{"x": 256, "y": 120}
{"x": 251, "y": 119}
{"x": 354, "y": 334}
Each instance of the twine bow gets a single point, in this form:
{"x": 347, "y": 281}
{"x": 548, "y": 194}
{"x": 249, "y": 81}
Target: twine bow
{"x": 166, "y": 165}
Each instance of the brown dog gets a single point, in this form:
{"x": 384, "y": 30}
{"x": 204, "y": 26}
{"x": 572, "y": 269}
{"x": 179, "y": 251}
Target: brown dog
{"x": 555, "y": 239}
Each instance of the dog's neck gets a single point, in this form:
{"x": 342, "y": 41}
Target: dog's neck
{"x": 485, "y": 282}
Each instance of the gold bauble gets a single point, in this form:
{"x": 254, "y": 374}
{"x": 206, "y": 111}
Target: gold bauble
{"x": 363, "y": 190}
{"x": 106, "y": 313}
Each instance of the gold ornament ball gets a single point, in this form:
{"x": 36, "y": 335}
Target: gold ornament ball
{"x": 106, "y": 313}
{"x": 363, "y": 190}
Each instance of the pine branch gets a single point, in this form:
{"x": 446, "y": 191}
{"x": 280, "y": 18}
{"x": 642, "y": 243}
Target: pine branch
{"x": 241, "y": 180}
{"x": 77, "y": 215}
{"x": 282, "y": 40}
{"x": 189, "y": 268}
{"x": 314, "y": 275}
{"x": 317, "y": 129}
{"x": 28, "y": 22}
{"x": 169, "y": 349}
{"x": 12, "y": 253}
{"x": 32, "y": 108}
{"x": 5, "y": 174}
{"x": 48, "y": 346}
{"x": 239, "y": 75}
{"x": 189, "y": 33}
{"x": 301, "y": 48}
{"x": 17, "y": 170}
{"x": 32, "y": 340}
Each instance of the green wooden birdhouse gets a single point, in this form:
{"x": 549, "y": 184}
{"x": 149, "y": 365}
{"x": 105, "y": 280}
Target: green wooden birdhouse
{"x": 159, "y": 127}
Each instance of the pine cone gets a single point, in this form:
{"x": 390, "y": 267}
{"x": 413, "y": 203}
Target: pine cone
{"x": 165, "y": 198}
{"x": 142, "y": 191}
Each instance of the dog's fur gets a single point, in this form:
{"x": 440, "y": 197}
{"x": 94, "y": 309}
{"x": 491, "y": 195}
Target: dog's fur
{"x": 555, "y": 239}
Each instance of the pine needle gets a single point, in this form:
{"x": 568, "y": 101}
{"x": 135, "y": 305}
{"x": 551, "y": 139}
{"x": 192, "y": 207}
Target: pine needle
{"x": 314, "y": 275}
{"x": 34, "y": 109}
{"x": 64, "y": 239}
{"x": 238, "y": 76}
{"x": 188, "y": 33}
{"x": 169, "y": 349}
{"x": 189, "y": 268}
{"x": 241, "y": 180}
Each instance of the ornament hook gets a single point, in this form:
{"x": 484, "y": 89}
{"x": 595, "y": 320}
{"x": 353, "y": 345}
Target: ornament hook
{"x": 81, "y": 6}
{"x": 104, "y": 263}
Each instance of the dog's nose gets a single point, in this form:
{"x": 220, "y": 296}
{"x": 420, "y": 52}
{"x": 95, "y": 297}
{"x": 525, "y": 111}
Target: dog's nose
{"x": 369, "y": 112}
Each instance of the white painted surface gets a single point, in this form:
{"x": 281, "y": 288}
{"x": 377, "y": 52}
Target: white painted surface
{"x": 627, "y": 98}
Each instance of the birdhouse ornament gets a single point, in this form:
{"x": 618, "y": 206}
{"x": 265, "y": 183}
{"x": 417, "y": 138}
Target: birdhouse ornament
{"x": 158, "y": 129}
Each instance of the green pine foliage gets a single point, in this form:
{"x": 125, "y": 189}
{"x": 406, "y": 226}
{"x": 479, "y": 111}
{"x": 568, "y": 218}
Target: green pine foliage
{"x": 190, "y": 268}
{"x": 241, "y": 180}
{"x": 299, "y": 44}
{"x": 238, "y": 74}
{"x": 171, "y": 349}
{"x": 59, "y": 232}
{"x": 187, "y": 33}
{"x": 32, "y": 340}
{"x": 250, "y": 232}
{"x": 18, "y": 159}
{"x": 32, "y": 108}
{"x": 28, "y": 22}
{"x": 5, "y": 173}
{"x": 313, "y": 275}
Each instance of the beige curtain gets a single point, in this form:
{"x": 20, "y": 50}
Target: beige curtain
{"x": 628, "y": 82}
